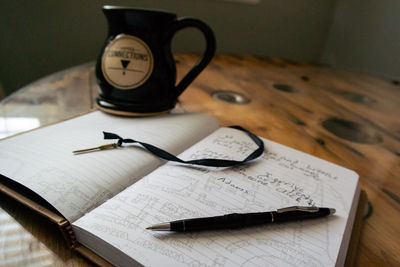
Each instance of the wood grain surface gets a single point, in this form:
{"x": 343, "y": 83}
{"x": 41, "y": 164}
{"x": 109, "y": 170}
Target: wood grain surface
{"x": 347, "y": 118}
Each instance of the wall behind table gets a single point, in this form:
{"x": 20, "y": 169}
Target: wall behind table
{"x": 38, "y": 38}
{"x": 365, "y": 36}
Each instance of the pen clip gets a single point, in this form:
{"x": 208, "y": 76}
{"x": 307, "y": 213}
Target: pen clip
{"x": 107, "y": 146}
{"x": 298, "y": 208}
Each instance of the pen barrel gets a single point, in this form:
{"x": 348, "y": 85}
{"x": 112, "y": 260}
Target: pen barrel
{"x": 300, "y": 215}
{"x": 229, "y": 221}
{"x": 238, "y": 220}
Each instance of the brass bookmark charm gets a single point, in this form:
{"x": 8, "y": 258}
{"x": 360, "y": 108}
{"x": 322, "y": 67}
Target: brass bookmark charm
{"x": 108, "y": 146}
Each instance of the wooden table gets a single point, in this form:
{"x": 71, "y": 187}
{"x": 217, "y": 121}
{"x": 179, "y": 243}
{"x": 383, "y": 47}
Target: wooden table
{"x": 344, "y": 117}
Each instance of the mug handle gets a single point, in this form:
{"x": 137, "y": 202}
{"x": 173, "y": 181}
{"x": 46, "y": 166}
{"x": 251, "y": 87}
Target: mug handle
{"x": 208, "y": 53}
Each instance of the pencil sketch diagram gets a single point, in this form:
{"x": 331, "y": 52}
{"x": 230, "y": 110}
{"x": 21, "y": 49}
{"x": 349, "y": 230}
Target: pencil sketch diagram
{"x": 73, "y": 196}
{"x": 248, "y": 247}
{"x": 173, "y": 192}
{"x": 185, "y": 185}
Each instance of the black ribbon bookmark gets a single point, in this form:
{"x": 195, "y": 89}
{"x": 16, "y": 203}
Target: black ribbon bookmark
{"x": 203, "y": 162}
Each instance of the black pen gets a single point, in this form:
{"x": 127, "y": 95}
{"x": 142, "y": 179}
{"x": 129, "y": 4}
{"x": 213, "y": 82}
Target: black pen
{"x": 238, "y": 220}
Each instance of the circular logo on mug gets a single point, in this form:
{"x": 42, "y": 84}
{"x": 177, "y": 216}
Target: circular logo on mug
{"x": 127, "y": 62}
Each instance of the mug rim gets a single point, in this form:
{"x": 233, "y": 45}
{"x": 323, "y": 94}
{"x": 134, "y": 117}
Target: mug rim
{"x": 113, "y": 7}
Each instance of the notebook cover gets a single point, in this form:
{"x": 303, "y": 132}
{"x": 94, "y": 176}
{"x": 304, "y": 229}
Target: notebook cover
{"x": 38, "y": 205}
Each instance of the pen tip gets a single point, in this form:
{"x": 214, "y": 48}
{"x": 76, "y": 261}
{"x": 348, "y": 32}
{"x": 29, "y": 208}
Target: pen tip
{"x": 159, "y": 227}
{"x": 332, "y": 211}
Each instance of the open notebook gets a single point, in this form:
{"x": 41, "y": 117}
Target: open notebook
{"x": 110, "y": 197}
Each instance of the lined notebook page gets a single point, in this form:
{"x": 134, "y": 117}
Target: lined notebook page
{"x": 42, "y": 160}
{"x": 282, "y": 177}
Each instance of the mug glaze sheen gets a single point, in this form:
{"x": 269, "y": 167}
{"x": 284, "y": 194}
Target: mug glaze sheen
{"x": 135, "y": 71}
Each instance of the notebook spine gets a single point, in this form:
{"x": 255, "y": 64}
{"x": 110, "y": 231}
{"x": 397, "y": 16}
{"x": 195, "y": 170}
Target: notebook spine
{"x": 68, "y": 234}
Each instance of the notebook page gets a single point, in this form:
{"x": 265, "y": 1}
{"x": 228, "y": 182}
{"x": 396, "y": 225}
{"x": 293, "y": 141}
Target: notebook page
{"x": 43, "y": 161}
{"x": 282, "y": 177}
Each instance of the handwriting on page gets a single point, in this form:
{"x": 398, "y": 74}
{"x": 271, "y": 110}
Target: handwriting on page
{"x": 239, "y": 148}
{"x": 280, "y": 178}
{"x": 306, "y": 169}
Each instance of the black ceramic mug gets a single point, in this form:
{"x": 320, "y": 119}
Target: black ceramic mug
{"x": 136, "y": 72}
